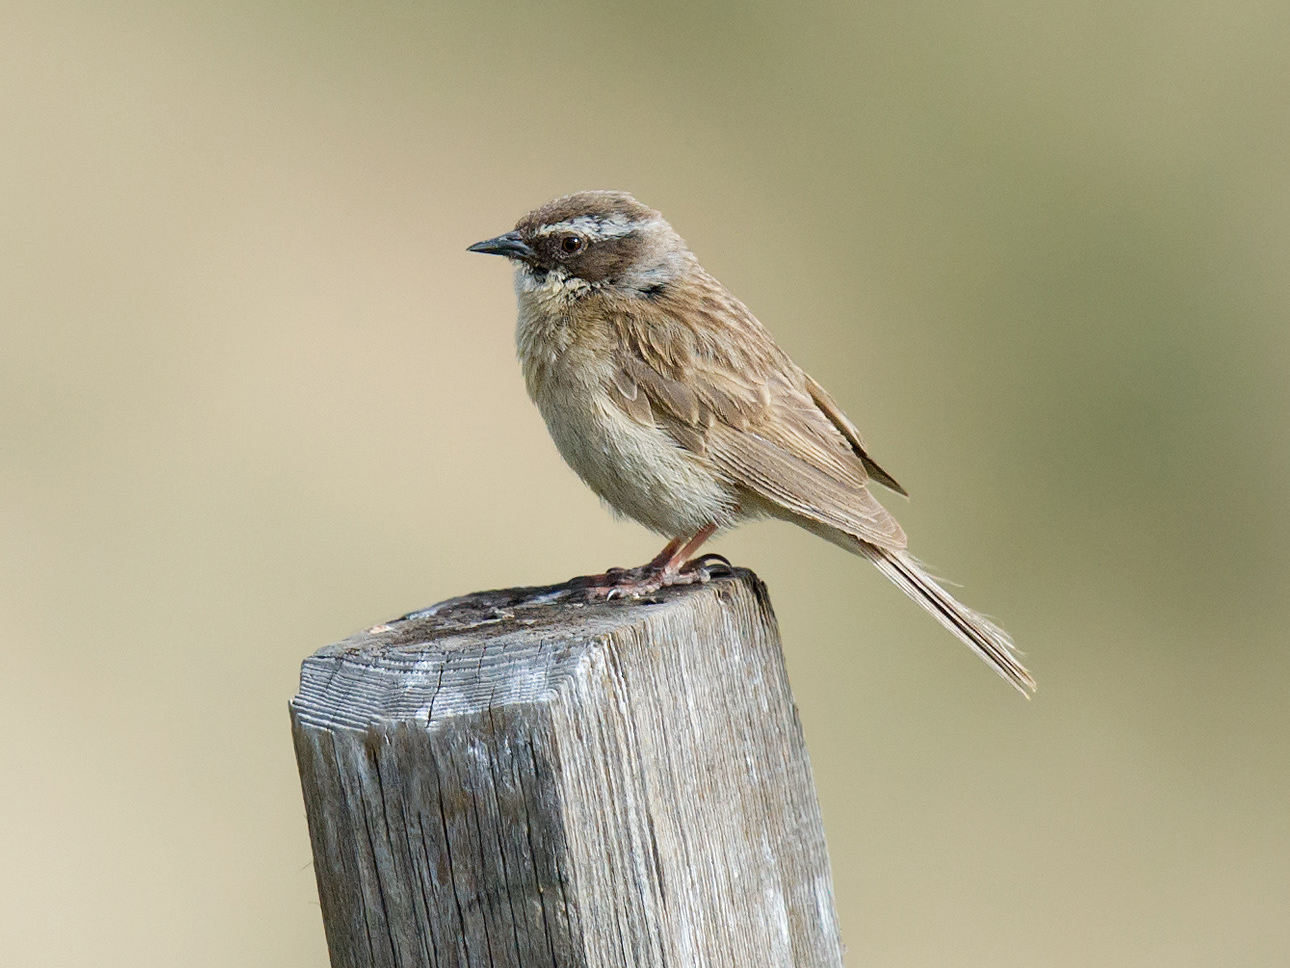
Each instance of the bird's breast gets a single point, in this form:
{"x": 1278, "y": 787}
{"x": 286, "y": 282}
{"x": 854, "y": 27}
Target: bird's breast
{"x": 637, "y": 469}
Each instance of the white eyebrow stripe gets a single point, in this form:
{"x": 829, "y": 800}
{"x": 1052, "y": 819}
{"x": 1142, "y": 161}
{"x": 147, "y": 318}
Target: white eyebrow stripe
{"x": 595, "y": 227}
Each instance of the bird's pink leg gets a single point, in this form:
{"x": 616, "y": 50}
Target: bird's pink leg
{"x": 620, "y": 577}
{"x": 668, "y": 555}
{"x": 694, "y": 544}
{"x": 665, "y": 568}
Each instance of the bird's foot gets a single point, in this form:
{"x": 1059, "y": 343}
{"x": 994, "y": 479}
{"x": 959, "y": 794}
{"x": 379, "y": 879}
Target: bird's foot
{"x": 622, "y": 583}
{"x": 647, "y": 579}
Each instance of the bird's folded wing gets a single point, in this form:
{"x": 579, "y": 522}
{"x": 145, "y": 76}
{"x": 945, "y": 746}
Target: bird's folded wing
{"x": 763, "y": 433}
{"x": 848, "y": 430}
{"x": 784, "y": 478}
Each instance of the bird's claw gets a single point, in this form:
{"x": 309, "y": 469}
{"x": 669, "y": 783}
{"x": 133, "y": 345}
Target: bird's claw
{"x": 703, "y": 570}
{"x": 618, "y": 583}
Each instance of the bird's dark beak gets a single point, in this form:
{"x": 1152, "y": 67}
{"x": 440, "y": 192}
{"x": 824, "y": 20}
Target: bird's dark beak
{"x": 509, "y": 245}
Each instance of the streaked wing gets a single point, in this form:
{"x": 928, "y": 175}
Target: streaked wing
{"x": 784, "y": 478}
{"x": 750, "y": 411}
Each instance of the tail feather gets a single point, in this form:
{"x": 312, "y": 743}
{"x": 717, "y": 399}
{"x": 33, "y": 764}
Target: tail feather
{"x": 982, "y": 636}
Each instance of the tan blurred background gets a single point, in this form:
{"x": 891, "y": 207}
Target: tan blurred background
{"x": 255, "y": 395}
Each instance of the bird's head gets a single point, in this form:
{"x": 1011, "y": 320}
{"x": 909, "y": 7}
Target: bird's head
{"x": 593, "y": 241}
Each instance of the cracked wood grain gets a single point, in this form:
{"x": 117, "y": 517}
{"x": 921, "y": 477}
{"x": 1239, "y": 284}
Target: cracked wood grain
{"x": 519, "y": 778}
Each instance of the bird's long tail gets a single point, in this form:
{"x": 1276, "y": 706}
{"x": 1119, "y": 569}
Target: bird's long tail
{"x": 981, "y": 635}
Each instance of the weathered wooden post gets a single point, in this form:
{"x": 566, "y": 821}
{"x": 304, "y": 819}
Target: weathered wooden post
{"x": 517, "y": 778}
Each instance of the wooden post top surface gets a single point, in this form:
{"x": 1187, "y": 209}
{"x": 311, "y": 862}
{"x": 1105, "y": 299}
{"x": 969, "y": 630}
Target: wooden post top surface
{"x": 466, "y": 653}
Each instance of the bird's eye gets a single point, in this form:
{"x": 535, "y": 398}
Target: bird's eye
{"x": 571, "y": 244}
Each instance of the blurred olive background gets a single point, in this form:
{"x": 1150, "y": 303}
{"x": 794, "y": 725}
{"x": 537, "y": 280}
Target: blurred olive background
{"x": 255, "y": 395}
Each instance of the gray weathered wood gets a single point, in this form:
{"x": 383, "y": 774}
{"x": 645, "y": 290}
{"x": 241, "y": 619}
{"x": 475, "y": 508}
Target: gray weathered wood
{"x": 518, "y": 778}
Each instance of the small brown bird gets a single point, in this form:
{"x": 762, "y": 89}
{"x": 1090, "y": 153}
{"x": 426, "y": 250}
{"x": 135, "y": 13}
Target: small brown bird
{"x": 675, "y": 405}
